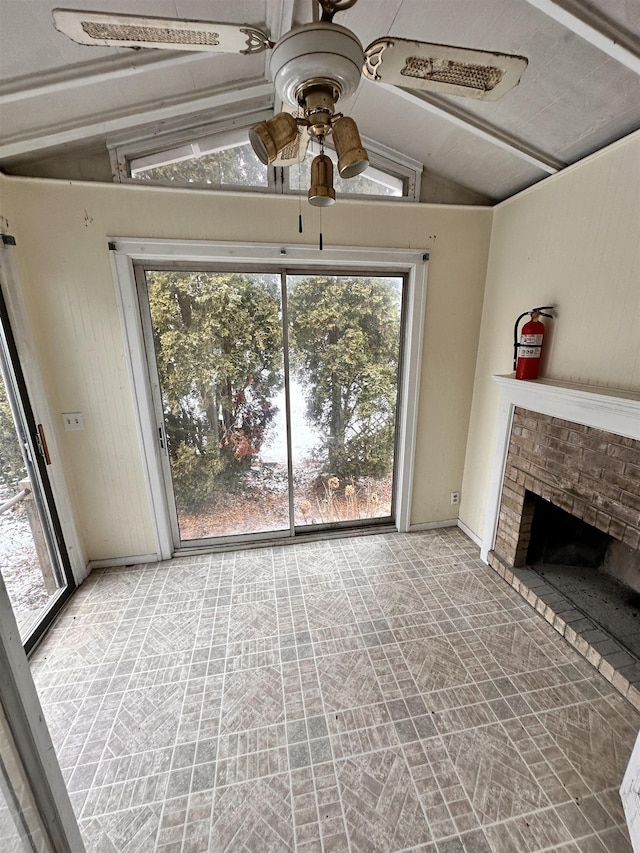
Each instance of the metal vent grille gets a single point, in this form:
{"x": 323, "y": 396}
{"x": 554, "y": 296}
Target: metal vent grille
{"x": 480, "y": 77}
{"x": 166, "y": 35}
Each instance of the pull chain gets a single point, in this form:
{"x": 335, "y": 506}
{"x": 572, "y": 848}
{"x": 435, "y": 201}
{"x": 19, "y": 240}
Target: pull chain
{"x": 321, "y": 138}
{"x": 299, "y": 170}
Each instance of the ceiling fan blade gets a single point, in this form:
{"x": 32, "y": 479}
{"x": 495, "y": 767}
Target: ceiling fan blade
{"x": 114, "y": 30}
{"x": 441, "y": 68}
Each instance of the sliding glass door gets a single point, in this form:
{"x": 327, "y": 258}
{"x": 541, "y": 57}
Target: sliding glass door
{"x": 344, "y": 355}
{"x": 275, "y": 396}
{"x": 33, "y": 559}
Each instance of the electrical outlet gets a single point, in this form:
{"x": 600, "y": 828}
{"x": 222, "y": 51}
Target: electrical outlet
{"x": 73, "y": 420}
{"x": 455, "y": 498}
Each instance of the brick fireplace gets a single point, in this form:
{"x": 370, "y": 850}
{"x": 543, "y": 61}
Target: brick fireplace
{"x": 577, "y": 447}
{"x": 592, "y": 474}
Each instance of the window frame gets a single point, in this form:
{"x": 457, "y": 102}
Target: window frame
{"x": 216, "y": 136}
{"x": 123, "y": 152}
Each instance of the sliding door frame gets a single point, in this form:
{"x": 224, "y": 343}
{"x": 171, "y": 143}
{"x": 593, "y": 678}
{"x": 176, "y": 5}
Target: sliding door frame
{"x": 50, "y": 491}
{"x": 127, "y": 254}
{"x": 33, "y": 745}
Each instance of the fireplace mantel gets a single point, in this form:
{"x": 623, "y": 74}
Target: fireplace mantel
{"x": 602, "y": 408}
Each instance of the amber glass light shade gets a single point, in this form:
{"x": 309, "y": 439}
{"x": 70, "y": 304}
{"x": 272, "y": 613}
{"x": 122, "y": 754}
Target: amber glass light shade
{"x": 352, "y": 157}
{"x": 269, "y": 138}
{"x": 321, "y": 192}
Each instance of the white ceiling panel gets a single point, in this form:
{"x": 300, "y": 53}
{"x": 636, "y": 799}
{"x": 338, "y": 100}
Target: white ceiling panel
{"x": 573, "y": 99}
{"x": 626, "y": 13}
{"x": 441, "y": 146}
{"x": 130, "y": 96}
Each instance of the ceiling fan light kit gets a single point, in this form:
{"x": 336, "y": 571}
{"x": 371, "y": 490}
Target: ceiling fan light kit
{"x": 269, "y": 138}
{"x": 352, "y": 157}
{"x": 312, "y": 67}
{"x": 321, "y": 192}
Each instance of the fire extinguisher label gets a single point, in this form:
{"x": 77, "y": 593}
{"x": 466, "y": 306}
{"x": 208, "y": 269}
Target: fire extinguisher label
{"x": 530, "y": 346}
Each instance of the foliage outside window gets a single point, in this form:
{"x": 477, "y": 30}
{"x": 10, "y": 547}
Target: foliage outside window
{"x": 218, "y": 346}
{"x": 344, "y": 349}
{"x": 218, "y": 339}
{"x": 12, "y": 468}
{"x": 235, "y": 165}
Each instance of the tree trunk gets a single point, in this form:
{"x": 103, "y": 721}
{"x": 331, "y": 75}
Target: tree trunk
{"x": 336, "y": 418}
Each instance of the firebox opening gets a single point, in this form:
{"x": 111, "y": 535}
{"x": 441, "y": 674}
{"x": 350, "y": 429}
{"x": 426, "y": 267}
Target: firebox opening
{"x": 598, "y": 575}
{"x": 560, "y": 539}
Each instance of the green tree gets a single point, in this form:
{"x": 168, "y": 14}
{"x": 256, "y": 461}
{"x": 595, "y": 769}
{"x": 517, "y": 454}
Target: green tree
{"x": 238, "y": 165}
{"x": 345, "y": 342}
{"x": 218, "y": 344}
{"x": 12, "y": 468}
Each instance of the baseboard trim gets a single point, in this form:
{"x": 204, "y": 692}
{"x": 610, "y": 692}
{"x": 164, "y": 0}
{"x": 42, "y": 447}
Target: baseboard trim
{"x": 432, "y": 525}
{"x": 469, "y": 532}
{"x": 122, "y": 561}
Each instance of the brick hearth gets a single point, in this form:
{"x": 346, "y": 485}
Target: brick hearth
{"x": 593, "y": 474}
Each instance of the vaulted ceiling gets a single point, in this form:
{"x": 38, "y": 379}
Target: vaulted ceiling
{"x": 61, "y": 102}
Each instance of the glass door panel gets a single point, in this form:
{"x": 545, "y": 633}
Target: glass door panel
{"x": 217, "y": 339}
{"x": 25, "y": 563}
{"x": 276, "y": 399}
{"x": 33, "y": 564}
{"x": 344, "y": 355}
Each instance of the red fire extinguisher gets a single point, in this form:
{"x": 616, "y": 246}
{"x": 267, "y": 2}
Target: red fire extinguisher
{"x": 527, "y": 351}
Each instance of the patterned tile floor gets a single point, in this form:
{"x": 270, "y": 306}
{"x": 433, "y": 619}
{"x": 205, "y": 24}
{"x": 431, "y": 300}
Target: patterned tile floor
{"x": 376, "y": 693}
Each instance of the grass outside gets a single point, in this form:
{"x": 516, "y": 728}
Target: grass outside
{"x": 263, "y": 505}
{"x": 19, "y": 563}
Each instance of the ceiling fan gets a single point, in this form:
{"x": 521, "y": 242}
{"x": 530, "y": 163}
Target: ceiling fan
{"x": 312, "y": 66}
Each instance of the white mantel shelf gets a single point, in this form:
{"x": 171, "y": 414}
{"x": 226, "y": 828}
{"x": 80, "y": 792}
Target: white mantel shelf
{"x": 609, "y": 409}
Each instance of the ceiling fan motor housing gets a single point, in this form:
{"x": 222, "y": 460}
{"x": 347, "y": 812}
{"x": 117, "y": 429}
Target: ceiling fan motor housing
{"x": 319, "y": 50}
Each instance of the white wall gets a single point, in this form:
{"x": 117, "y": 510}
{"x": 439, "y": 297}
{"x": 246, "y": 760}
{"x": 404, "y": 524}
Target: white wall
{"x": 574, "y": 242}
{"x": 61, "y": 229}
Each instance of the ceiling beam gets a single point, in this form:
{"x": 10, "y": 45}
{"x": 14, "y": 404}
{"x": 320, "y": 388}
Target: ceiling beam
{"x": 144, "y": 114}
{"x": 279, "y": 18}
{"x": 279, "y": 22}
{"x": 482, "y": 129}
{"x": 595, "y": 28}
{"x": 90, "y": 73}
